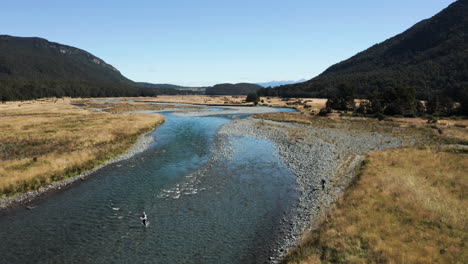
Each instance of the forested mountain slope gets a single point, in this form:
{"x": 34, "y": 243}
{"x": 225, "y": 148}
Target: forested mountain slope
{"x": 34, "y": 67}
{"x": 431, "y": 57}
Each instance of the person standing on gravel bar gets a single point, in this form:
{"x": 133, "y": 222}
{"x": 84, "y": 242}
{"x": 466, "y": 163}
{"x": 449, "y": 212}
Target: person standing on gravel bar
{"x": 144, "y": 219}
{"x": 323, "y": 184}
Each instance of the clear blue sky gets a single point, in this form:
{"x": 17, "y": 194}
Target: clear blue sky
{"x": 203, "y": 42}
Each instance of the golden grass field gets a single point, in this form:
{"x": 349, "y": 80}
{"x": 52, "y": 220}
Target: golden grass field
{"x": 47, "y": 140}
{"x": 407, "y": 206}
{"x": 125, "y": 105}
{"x": 444, "y": 131}
{"x": 198, "y": 99}
{"x": 301, "y": 104}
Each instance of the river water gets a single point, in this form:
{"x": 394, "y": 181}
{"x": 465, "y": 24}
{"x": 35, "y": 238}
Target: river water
{"x": 208, "y": 199}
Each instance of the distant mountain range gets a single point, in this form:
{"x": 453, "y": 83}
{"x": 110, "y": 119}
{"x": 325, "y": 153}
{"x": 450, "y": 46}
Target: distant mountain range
{"x": 233, "y": 89}
{"x": 431, "y": 57}
{"x": 223, "y": 88}
{"x": 218, "y": 89}
{"x": 279, "y": 83}
{"x": 200, "y": 89}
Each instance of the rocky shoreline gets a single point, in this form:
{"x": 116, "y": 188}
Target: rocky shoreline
{"x": 142, "y": 144}
{"x": 324, "y": 161}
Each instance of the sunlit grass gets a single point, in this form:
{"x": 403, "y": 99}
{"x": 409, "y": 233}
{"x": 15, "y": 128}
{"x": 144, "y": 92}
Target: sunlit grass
{"x": 42, "y": 142}
{"x": 126, "y": 106}
{"x": 408, "y": 206}
{"x": 421, "y": 133}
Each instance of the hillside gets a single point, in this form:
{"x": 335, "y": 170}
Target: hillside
{"x": 233, "y": 89}
{"x": 34, "y": 67}
{"x": 158, "y": 85}
{"x": 431, "y": 57}
{"x": 218, "y": 89}
{"x": 195, "y": 90}
{"x": 37, "y": 58}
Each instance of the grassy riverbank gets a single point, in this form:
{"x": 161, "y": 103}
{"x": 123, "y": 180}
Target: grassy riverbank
{"x": 408, "y": 205}
{"x": 442, "y": 132}
{"x": 49, "y": 140}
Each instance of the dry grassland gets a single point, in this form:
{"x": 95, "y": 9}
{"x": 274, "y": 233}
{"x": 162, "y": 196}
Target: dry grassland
{"x": 407, "y": 206}
{"x": 304, "y": 105}
{"x": 47, "y": 140}
{"x": 197, "y": 99}
{"x": 301, "y": 104}
{"x": 445, "y": 131}
{"x": 125, "y": 106}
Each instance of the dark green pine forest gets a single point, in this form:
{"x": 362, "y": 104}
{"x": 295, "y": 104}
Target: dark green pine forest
{"x": 34, "y": 68}
{"x": 429, "y": 61}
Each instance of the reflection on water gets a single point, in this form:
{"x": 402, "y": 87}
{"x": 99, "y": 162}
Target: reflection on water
{"x": 203, "y": 206}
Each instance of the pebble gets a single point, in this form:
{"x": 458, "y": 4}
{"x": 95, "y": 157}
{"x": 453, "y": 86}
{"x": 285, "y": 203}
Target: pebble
{"x": 319, "y": 153}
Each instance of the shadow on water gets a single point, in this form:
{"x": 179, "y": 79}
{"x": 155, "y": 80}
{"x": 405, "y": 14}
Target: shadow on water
{"x": 208, "y": 200}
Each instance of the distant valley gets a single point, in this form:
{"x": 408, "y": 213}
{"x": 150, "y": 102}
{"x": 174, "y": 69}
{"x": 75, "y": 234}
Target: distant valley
{"x": 429, "y": 58}
{"x": 32, "y": 67}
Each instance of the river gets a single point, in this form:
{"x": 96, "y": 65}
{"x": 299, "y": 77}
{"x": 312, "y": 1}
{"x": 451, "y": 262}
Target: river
{"x": 209, "y": 199}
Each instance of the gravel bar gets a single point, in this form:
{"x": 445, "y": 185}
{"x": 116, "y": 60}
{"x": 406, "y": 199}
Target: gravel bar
{"x": 324, "y": 161}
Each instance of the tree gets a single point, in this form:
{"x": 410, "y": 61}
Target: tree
{"x": 398, "y": 100}
{"x": 433, "y": 105}
{"x": 324, "y": 111}
{"x": 342, "y": 99}
{"x": 463, "y": 97}
{"x": 375, "y": 104}
{"x": 364, "y": 108}
{"x": 252, "y": 97}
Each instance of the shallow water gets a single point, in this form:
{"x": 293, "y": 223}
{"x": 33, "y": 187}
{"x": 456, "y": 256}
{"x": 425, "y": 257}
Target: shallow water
{"x": 208, "y": 200}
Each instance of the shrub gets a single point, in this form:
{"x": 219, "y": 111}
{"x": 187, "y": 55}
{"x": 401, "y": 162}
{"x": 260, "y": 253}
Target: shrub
{"x": 364, "y": 108}
{"x": 324, "y": 111}
{"x": 380, "y": 116}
